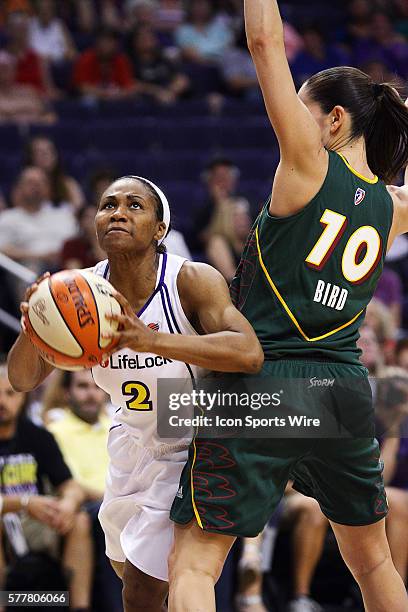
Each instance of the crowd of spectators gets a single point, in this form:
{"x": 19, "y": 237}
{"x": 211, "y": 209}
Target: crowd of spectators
{"x": 165, "y": 50}
{"x": 160, "y": 52}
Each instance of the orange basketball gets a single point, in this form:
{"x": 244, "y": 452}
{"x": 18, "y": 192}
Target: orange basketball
{"x": 66, "y": 319}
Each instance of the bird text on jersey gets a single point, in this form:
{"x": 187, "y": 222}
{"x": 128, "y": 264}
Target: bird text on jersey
{"x": 123, "y": 362}
{"x": 330, "y": 295}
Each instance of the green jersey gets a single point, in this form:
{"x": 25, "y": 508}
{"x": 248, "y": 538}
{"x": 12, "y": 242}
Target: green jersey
{"x": 304, "y": 281}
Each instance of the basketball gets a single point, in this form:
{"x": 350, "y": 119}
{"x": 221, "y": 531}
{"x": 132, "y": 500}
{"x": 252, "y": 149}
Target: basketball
{"x": 66, "y": 319}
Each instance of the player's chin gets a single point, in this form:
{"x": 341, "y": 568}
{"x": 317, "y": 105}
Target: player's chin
{"x": 114, "y": 241}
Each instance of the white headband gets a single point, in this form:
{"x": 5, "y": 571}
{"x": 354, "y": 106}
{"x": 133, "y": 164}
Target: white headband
{"x": 163, "y": 200}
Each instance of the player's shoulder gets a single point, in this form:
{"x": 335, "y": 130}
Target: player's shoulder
{"x": 196, "y": 279}
{"x": 195, "y": 270}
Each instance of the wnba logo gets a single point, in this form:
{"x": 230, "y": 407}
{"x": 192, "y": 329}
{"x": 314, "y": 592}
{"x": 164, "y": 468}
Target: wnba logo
{"x": 359, "y": 196}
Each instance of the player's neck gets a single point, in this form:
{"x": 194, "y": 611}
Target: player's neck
{"x": 356, "y": 155}
{"x": 134, "y": 277}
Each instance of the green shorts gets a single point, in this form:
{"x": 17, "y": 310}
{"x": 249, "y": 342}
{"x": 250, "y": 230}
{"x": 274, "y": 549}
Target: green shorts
{"x": 232, "y": 486}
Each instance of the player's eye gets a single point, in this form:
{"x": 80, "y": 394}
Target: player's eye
{"x": 135, "y": 205}
{"x": 108, "y": 205}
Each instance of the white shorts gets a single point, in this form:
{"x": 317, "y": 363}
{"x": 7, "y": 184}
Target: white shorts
{"x": 140, "y": 488}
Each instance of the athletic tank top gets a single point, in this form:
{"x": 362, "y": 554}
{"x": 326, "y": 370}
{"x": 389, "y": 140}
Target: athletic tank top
{"x": 305, "y": 280}
{"x": 131, "y": 378}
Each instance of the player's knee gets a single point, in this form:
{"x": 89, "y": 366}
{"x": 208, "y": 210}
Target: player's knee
{"x": 142, "y": 592}
{"x": 316, "y": 517}
{"x": 186, "y": 568}
{"x": 311, "y": 513}
{"x": 367, "y": 565}
{"x": 398, "y": 503}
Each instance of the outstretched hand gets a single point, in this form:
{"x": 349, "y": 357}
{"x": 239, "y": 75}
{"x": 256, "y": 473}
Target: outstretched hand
{"x": 131, "y": 333}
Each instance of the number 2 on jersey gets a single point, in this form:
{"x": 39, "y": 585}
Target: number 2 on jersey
{"x": 364, "y": 238}
{"x": 139, "y": 395}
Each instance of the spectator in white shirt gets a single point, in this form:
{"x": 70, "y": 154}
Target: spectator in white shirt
{"x": 49, "y": 36}
{"x": 33, "y": 231}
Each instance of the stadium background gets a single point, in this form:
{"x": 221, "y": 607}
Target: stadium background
{"x": 95, "y": 89}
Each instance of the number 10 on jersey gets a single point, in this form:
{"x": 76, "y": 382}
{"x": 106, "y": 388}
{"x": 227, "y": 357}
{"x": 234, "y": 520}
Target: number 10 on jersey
{"x": 356, "y": 267}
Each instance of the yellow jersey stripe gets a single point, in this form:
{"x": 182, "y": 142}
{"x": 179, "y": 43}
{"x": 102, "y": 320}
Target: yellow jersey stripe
{"x": 198, "y": 519}
{"x": 367, "y": 180}
{"x": 286, "y": 307}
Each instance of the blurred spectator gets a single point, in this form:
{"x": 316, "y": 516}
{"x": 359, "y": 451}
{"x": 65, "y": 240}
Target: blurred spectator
{"x": 293, "y": 41}
{"x": 49, "y": 36}
{"x": 30, "y": 68}
{"x": 176, "y": 244}
{"x": 238, "y": 70}
{"x": 34, "y": 231}
{"x": 103, "y": 72}
{"x": 249, "y": 598}
{"x": 227, "y": 235}
{"x": 29, "y": 457}
{"x": 371, "y": 356}
{"x": 231, "y": 13}
{"x": 82, "y": 432}
{"x": 19, "y": 103}
{"x": 389, "y": 293}
{"x": 140, "y": 12}
{"x": 82, "y": 436}
{"x": 359, "y": 23}
{"x": 380, "y": 318}
{"x": 85, "y": 13}
{"x": 392, "y": 414}
{"x": 401, "y": 354}
{"x": 221, "y": 180}
{"x": 401, "y": 24}
{"x": 156, "y": 76}
{"x": 99, "y": 181}
{"x": 83, "y": 250}
{"x": 309, "y": 528}
{"x": 203, "y": 39}
{"x": 384, "y": 44}
{"x": 315, "y": 56}
{"x": 14, "y": 6}
{"x": 169, "y": 15}
{"x": 42, "y": 153}
{"x": 110, "y": 14}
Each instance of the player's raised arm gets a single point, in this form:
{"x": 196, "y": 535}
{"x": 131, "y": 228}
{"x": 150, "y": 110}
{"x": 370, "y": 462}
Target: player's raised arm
{"x": 297, "y": 131}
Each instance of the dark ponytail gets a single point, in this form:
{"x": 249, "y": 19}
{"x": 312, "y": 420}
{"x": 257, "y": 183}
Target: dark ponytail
{"x": 377, "y": 113}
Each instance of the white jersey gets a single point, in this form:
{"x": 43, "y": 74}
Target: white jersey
{"x": 131, "y": 378}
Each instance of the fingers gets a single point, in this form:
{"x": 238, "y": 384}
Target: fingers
{"x": 33, "y": 288}
{"x": 123, "y": 320}
{"x": 126, "y": 307}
